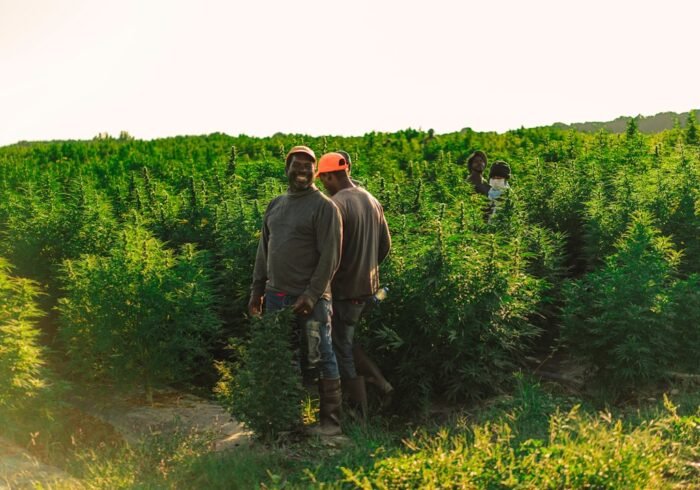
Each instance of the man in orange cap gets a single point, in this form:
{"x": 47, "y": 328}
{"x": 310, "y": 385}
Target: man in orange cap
{"x": 298, "y": 253}
{"x": 366, "y": 244}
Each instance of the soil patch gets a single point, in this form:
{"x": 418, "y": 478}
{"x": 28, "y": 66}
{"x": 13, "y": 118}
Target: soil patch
{"x": 19, "y": 469}
{"x": 171, "y": 412}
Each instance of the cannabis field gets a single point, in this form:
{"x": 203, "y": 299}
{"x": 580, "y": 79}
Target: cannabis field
{"x": 126, "y": 264}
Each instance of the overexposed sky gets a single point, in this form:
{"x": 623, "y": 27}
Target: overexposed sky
{"x": 72, "y": 69}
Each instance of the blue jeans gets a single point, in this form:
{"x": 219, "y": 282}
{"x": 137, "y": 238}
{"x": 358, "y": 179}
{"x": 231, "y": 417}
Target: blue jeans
{"x": 311, "y": 335}
{"x": 346, "y": 315}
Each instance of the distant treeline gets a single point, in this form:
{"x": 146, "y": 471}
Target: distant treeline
{"x": 646, "y": 124}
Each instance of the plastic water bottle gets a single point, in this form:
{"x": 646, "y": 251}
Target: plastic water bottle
{"x": 380, "y": 295}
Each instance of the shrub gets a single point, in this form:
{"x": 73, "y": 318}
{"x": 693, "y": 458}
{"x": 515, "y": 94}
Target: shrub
{"x": 684, "y": 315}
{"x": 46, "y": 226}
{"x": 22, "y": 374}
{"x": 458, "y": 318}
{"x": 263, "y": 389}
{"x": 142, "y": 314}
{"x": 237, "y": 232}
{"x": 581, "y": 451}
{"x": 616, "y": 317}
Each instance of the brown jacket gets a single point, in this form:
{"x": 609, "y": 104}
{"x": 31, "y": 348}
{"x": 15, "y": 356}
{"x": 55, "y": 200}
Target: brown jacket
{"x": 366, "y": 243}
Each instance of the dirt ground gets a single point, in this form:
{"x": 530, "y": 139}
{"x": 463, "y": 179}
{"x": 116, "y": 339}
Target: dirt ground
{"x": 19, "y": 469}
{"x": 171, "y": 412}
{"x": 133, "y": 420}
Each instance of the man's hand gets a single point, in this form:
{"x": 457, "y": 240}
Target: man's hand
{"x": 304, "y": 305}
{"x": 255, "y": 305}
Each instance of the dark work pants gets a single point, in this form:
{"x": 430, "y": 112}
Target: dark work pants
{"x": 346, "y": 316}
{"x": 311, "y": 336}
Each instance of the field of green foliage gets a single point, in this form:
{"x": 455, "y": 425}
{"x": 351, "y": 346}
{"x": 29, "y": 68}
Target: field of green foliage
{"x": 128, "y": 263}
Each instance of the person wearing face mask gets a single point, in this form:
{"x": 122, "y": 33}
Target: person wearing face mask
{"x": 498, "y": 182}
{"x": 298, "y": 254}
{"x": 476, "y": 164}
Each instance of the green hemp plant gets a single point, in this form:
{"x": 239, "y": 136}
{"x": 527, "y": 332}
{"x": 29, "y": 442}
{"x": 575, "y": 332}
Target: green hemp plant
{"x": 21, "y": 355}
{"x": 263, "y": 388}
{"x": 141, "y": 315}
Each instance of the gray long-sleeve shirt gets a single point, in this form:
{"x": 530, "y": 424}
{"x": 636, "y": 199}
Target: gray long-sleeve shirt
{"x": 366, "y": 243}
{"x": 299, "y": 248}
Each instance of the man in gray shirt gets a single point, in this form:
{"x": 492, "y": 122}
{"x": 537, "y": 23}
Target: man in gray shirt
{"x": 366, "y": 243}
{"x": 298, "y": 253}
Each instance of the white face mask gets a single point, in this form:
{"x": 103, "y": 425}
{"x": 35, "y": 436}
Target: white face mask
{"x": 498, "y": 183}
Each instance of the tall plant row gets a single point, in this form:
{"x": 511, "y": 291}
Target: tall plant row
{"x": 145, "y": 250}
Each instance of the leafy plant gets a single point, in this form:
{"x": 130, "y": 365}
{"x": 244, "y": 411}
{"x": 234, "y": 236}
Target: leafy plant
{"x": 141, "y": 314}
{"x": 263, "y": 388}
{"x": 22, "y": 358}
{"x": 581, "y": 451}
{"x": 458, "y": 318}
{"x": 616, "y": 317}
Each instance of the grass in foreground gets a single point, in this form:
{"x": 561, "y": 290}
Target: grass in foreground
{"x": 530, "y": 440}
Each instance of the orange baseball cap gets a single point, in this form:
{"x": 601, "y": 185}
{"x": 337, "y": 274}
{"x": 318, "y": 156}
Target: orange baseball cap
{"x": 300, "y": 149}
{"x": 331, "y": 162}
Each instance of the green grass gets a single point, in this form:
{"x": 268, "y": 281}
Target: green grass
{"x": 533, "y": 438}
{"x": 177, "y": 462}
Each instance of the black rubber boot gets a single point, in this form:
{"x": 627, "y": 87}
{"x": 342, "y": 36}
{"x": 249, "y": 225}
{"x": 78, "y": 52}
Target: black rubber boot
{"x": 367, "y": 368}
{"x": 331, "y": 401}
{"x": 356, "y": 392}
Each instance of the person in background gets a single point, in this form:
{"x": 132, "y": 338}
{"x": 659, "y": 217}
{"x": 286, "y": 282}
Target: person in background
{"x": 476, "y": 163}
{"x": 499, "y": 174}
{"x": 298, "y": 253}
{"x": 346, "y": 155}
{"x": 366, "y": 243}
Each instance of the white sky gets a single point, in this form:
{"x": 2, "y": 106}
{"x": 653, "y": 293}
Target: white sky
{"x": 72, "y": 69}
